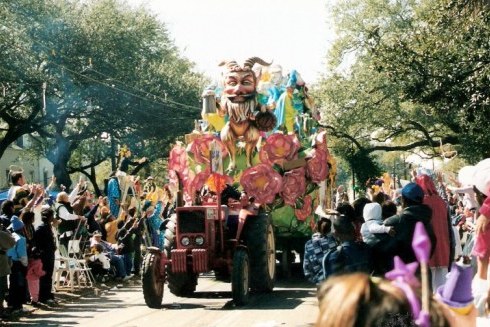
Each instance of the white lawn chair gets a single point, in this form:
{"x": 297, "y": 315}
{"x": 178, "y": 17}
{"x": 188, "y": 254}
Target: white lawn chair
{"x": 71, "y": 272}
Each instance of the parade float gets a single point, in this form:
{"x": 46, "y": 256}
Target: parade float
{"x": 251, "y": 180}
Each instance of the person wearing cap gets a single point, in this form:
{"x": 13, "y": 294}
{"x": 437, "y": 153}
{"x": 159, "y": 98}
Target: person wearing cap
{"x": 110, "y": 250}
{"x": 46, "y": 244}
{"x": 413, "y": 211}
{"x": 18, "y": 257}
{"x": 315, "y": 249}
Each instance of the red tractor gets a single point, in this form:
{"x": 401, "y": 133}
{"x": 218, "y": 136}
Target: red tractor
{"x": 236, "y": 242}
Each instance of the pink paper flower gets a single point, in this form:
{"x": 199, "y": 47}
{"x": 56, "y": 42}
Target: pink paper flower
{"x": 178, "y": 160}
{"x": 316, "y": 166}
{"x": 278, "y": 147}
{"x": 173, "y": 180}
{"x": 261, "y": 182}
{"x": 201, "y": 147}
{"x": 303, "y": 213}
{"x": 294, "y": 185}
{"x": 196, "y": 183}
{"x": 187, "y": 182}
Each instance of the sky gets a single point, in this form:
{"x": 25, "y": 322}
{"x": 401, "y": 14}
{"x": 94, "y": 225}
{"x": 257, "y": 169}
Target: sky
{"x": 292, "y": 33}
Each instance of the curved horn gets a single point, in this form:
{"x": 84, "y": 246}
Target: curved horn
{"x": 230, "y": 64}
{"x": 253, "y": 60}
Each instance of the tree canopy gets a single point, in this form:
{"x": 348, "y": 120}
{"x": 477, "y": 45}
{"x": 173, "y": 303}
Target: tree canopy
{"x": 79, "y": 70}
{"x": 409, "y": 75}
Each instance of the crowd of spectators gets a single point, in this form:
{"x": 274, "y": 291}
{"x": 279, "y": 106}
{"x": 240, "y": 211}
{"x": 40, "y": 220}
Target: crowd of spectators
{"x": 37, "y": 230}
{"x": 380, "y": 226}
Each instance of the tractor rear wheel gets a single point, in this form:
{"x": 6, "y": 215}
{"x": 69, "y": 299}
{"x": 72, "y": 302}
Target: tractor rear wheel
{"x": 180, "y": 284}
{"x": 240, "y": 277}
{"x": 259, "y": 237}
{"x": 152, "y": 281}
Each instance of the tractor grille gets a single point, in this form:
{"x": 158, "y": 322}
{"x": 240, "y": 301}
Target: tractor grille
{"x": 200, "y": 260}
{"x": 179, "y": 260}
{"x": 191, "y": 221}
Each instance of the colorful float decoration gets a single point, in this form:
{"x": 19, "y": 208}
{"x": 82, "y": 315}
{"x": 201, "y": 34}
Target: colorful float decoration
{"x": 263, "y": 127}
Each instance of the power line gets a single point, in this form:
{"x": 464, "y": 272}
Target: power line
{"x": 165, "y": 103}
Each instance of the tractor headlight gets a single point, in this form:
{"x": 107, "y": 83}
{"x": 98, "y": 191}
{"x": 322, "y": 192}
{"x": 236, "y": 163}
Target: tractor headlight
{"x": 199, "y": 240}
{"x": 185, "y": 241}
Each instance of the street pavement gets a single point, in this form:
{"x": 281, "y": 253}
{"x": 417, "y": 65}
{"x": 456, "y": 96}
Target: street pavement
{"x": 292, "y": 303}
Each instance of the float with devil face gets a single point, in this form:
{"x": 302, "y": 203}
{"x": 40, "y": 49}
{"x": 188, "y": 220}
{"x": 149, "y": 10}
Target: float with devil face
{"x": 239, "y": 102}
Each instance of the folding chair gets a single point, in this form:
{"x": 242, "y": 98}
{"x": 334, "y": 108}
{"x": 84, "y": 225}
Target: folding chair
{"x": 71, "y": 272}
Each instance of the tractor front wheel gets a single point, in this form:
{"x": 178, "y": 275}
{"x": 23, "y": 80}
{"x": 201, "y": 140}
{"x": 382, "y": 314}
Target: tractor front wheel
{"x": 152, "y": 281}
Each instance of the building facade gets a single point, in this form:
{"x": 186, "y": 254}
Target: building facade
{"x": 36, "y": 170}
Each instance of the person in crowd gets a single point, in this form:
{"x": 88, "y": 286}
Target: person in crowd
{"x": 139, "y": 231}
{"x": 125, "y": 240}
{"x": 413, "y": 211}
{"x": 27, "y": 218}
{"x": 99, "y": 262}
{"x": 388, "y": 209}
{"x": 481, "y": 249}
{"x": 113, "y": 195}
{"x": 126, "y": 161}
{"x": 358, "y": 206}
{"x": 444, "y": 248}
{"x": 123, "y": 174}
{"x": 19, "y": 192}
{"x": 34, "y": 273}
{"x": 110, "y": 250}
{"x": 111, "y": 226}
{"x": 79, "y": 197}
{"x": 360, "y": 300}
{"x": 104, "y": 206}
{"x": 90, "y": 215}
{"x": 104, "y": 218}
{"x": 7, "y": 213}
{"x": 341, "y": 195}
{"x": 315, "y": 249}
{"x": 18, "y": 257}
{"x": 374, "y": 224}
{"x": 469, "y": 196}
{"x": 18, "y": 182}
{"x": 154, "y": 221}
{"x": 380, "y": 197}
{"x": 69, "y": 221}
{"x": 46, "y": 245}
{"x": 7, "y": 241}
{"x": 350, "y": 255}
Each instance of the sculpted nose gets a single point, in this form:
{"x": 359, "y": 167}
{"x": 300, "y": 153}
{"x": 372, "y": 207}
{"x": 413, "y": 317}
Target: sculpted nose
{"x": 239, "y": 89}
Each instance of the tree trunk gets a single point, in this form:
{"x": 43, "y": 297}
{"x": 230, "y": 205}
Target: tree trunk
{"x": 10, "y": 137}
{"x": 93, "y": 180}
{"x": 59, "y": 157}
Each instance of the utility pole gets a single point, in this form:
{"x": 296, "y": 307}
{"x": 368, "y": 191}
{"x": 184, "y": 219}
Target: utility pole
{"x": 113, "y": 154}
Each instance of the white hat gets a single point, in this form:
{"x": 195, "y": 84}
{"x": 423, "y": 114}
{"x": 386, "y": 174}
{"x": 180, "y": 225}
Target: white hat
{"x": 465, "y": 175}
{"x": 372, "y": 211}
{"x": 481, "y": 177}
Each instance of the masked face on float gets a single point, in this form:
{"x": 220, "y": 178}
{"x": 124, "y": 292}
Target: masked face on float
{"x": 239, "y": 86}
{"x": 239, "y": 95}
